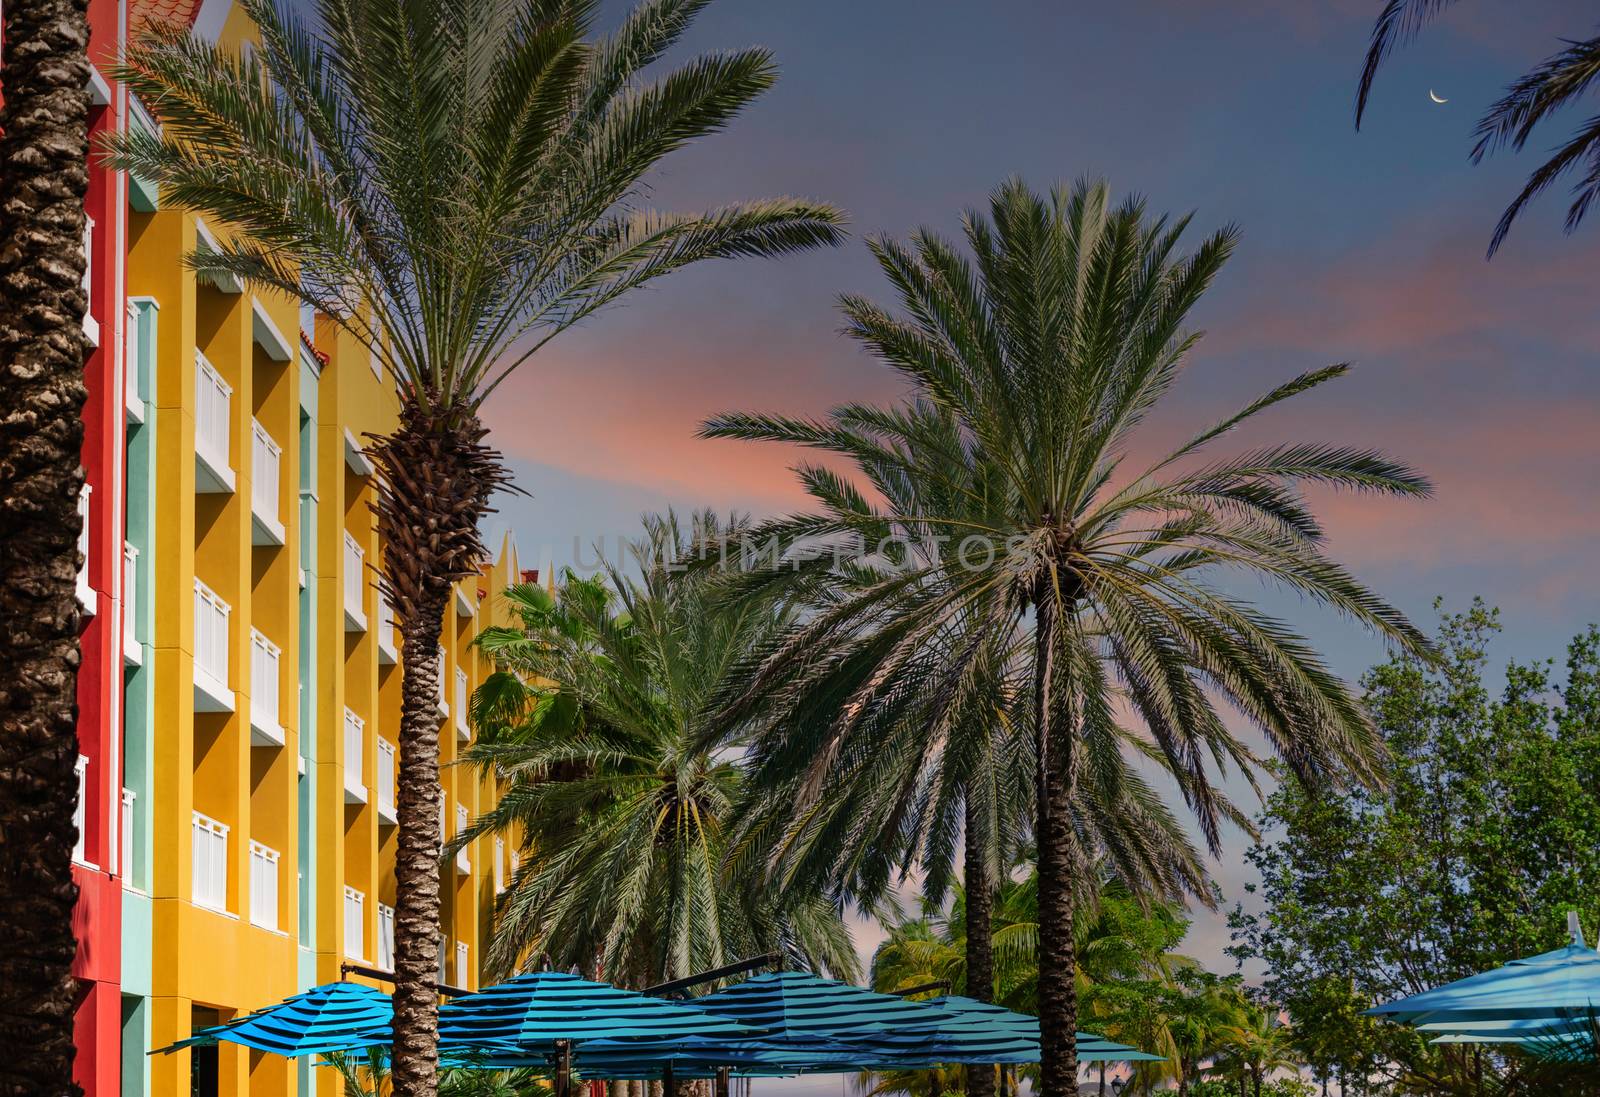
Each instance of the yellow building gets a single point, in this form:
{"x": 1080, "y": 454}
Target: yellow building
{"x": 263, "y": 686}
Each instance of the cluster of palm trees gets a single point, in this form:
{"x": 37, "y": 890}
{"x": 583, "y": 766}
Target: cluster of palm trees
{"x": 1028, "y": 621}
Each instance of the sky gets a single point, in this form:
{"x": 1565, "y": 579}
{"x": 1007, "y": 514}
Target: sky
{"x": 1363, "y": 247}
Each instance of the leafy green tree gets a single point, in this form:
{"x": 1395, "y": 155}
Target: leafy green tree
{"x": 620, "y": 790}
{"x": 456, "y": 183}
{"x": 1036, "y": 360}
{"x": 1560, "y": 80}
{"x": 1487, "y": 835}
{"x": 1253, "y": 1049}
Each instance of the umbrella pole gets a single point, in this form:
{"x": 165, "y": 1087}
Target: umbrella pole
{"x": 669, "y": 1084}
{"x": 722, "y": 1082}
{"x": 563, "y": 1086}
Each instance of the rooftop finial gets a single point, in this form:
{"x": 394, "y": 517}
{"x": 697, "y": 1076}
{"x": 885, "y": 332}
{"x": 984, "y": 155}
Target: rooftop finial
{"x": 1574, "y": 928}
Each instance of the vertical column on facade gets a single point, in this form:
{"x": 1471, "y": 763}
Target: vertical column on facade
{"x": 156, "y": 243}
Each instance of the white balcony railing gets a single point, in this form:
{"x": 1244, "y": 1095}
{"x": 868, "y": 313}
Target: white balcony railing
{"x": 132, "y": 391}
{"x": 132, "y": 653}
{"x": 213, "y": 412}
{"x": 210, "y": 873}
{"x": 266, "y": 462}
{"x": 387, "y": 651}
{"x": 263, "y": 886}
{"x": 355, "y": 924}
{"x": 355, "y": 614}
{"x": 80, "y": 813}
{"x": 87, "y": 596}
{"x": 461, "y": 705}
{"x": 212, "y": 693}
{"x": 463, "y": 863}
{"x": 499, "y": 865}
{"x": 444, "y": 706}
{"x": 355, "y": 789}
{"x": 463, "y": 968}
{"x": 385, "y": 955}
{"x": 386, "y": 769}
{"x": 125, "y": 831}
{"x": 91, "y": 326}
{"x": 265, "y": 688}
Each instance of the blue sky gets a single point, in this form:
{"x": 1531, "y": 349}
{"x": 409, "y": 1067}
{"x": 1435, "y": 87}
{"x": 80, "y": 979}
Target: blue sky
{"x": 1362, "y": 247}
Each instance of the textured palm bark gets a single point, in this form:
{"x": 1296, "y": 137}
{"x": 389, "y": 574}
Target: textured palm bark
{"x": 1058, "y": 1002}
{"x": 980, "y": 930}
{"x": 43, "y": 177}
{"x": 436, "y": 477}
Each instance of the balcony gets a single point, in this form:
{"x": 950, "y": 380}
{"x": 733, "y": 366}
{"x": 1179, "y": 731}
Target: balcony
{"x": 463, "y": 968}
{"x": 385, "y": 957}
{"x": 499, "y": 865}
{"x": 266, "y": 463}
{"x": 213, "y": 412}
{"x": 132, "y": 390}
{"x": 444, "y": 706}
{"x": 263, "y": 886}
{"x": 132, "y": 650}
{"x": 388, "y": 653}
{"x": 265, "y": 689}
{"x": 386, "y": 787}
{"x": 355, "y": 737}
{"x": 355, "y": 924}
{"x": 211, "y": 637}
{"x": 125, "y": 823}
{"x": 463, "y": 863}
{"x": 80, "y": 815}
{"x": 88, "y": 597}
{"x": 210, "y": 869}
{"x": 355, "y": 614}
{"x": 462, "y": 731}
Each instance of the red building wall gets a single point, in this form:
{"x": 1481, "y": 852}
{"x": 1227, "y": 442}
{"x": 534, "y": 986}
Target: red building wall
{"x": 97, "y": 920}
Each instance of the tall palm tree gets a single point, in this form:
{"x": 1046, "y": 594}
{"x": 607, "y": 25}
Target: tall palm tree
{"x": 44, "y": 151}
{"x": 1048, "y": 349}
{"x": 455, "y": 182}
{"x": 1254, "y": 1048}
{"x": 1560, "y": 80}
{"x": 620, "y": 790}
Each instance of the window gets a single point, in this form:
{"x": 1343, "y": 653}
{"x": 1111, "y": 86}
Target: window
{"x": 463, "y": 865}
{"x": 461, "y": 704}
{"x": 125, "y": 860}
{"x": 355, "y": 615}
{"x": 131, "y": 651}
{"x": 211, "y": 615}
{"x": 266, "y": 463}
{"x": 355, "y": 790}
{"x": 386, "y": 768}
{"x": 463, "y": 969}
{"x": 499, "y": 865}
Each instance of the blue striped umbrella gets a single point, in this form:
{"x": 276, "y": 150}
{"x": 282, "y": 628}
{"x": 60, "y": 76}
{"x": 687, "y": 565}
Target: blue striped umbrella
{"x": 1512, "y": 1002}
{"x": 527, "y": 1019}
{"x": 331, "y": 1017}
{"x": 1092, "y": 1048}
{"x": 796, "y": 1005}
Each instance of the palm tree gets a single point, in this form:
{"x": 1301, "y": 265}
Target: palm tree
{"x": 44, "y": 147}
{"x": 620, "y": 789}
{"x": 1558, "y": 81}
{"x": 455, "y": 182}
{"x": 1253, "y": 1048}
{"x": 1046, "y": 351}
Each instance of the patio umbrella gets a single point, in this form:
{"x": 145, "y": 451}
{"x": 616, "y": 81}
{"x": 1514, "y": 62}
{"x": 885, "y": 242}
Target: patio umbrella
{"x": 331, "y": 1017}
{"x": 542, "y": 1018}
{"x": 1552, "y": 988}
{"x": 973, "y": 1030}
{"x": 793, "y": 1007}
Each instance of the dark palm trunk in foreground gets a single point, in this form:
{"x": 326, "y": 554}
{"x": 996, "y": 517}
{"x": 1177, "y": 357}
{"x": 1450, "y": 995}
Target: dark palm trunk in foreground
{"x": 437, "y": 478}
{"x": 43, "y": 176}
{"x": 980, "y": 931}
{"x": 1058, "y": 1002}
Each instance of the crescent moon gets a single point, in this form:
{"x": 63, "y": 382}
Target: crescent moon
{"x": 1436, "y": 98}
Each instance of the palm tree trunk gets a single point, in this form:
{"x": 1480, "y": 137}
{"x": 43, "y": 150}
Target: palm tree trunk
{"x": 43, "y": 177}
{"x": 436, "y": 479}
{"x": 1058, "y": 1003}
{"x": 980, "y": 929}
